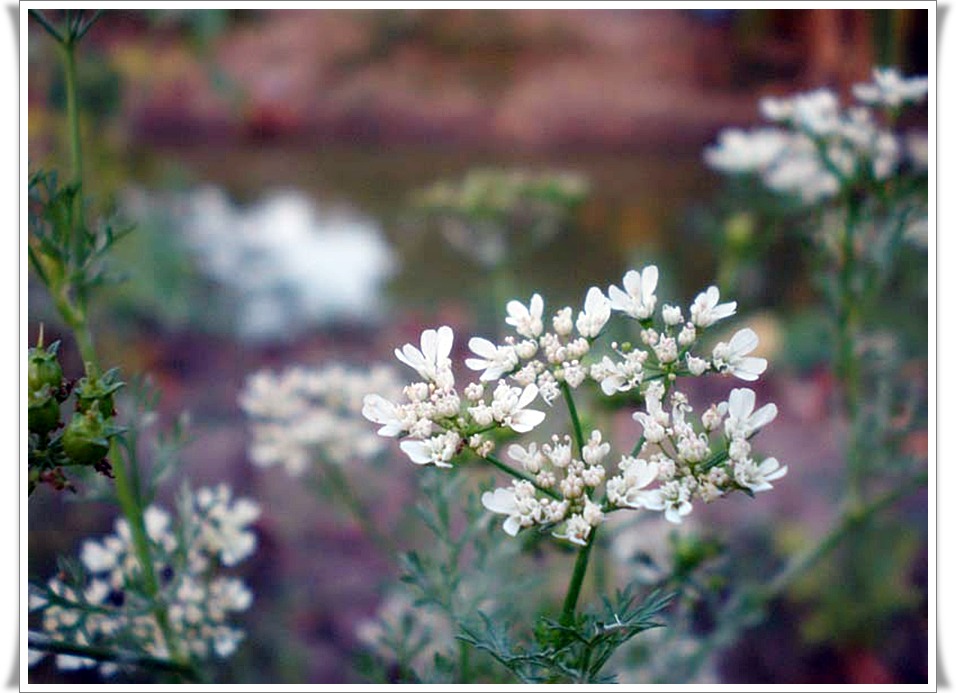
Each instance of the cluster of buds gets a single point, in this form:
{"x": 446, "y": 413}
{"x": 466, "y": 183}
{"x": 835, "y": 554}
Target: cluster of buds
{"x": 85, "y": 439}
{"x": 558, "y": 484}
{"x": 110, "y": 606}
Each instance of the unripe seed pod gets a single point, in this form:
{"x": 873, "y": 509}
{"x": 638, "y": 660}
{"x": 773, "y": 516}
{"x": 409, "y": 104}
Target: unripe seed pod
{"x": 43, "y": 411}
{"x": 97, "y": 393}
{"x": 85, "y": 440}
{"x": 43, "y": 368}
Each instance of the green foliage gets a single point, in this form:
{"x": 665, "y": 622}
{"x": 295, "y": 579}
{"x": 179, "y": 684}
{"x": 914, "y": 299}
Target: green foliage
{"x": 575, "y": 653}
{"x": 67, "y": 255}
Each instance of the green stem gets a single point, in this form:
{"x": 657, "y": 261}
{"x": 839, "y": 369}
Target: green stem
{"x": 848, "y": 316}
{"x": 851, "y": 519}
{"x": 342, "y": 492}
{"x": 577, "y": 579}
{"x": 72, "y": 112}
{"x": 494, "y": 461}
{"x": 41, "y": 643}
{"x": 573, "y": 413}
{"x": 127, "y": 492}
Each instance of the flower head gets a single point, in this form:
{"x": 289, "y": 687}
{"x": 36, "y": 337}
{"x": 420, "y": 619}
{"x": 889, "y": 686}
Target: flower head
{"x": 431, "y": 361}
{"x": 526, "y": 319}
{"x": 707, "y": 310}
{"x": 732, "y": 358}
{"x": 597, "y": 311}
{"x": 637, "y": 299}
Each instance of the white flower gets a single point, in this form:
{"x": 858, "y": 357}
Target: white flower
{"x": 707, "y": 310}
{"x": 597, "y": 311}
{"x": 526, "y": 320}
{"x": 672, "y": 315}
{"x": 518, "y": 503}
{"x": 738, "y": 151}
{"x": 531, "y": 458}
{"x": 619, "y": 377}
{"x": 696, "y": 365}
{"x": 437, "y": 450}
{"x": 816, "y": 112}
{"x": 594, "y": 451}
{"x": 758, "y": 477}
{"x": 637, "y": 299}
{"x": 495, "y": 360}
{"x": 379, "y": 410}
{"x": 742, "y": 420}
{"x": 576, "y": 530}
{"x": 628, "y": 489}
{"x": 676, "y": 499}
{"x": 889, "y": 88}
{"x": 508, "y": 407}
{"x": 732, "y": 358}
{"x": 431, "y": 362}
{"x": 562, "y": 322}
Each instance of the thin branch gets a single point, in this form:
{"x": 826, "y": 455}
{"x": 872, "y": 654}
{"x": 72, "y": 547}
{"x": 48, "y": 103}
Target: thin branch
{"x": 43, "y": 643}
{"x": 50, "y": 29}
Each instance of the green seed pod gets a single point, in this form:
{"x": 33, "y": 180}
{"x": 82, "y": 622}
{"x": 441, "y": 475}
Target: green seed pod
{"x": 85, "y": 439}
{"x": 97, "y": 393}
{"x": 43, "y": 411}
{"x": 43, "y": 368}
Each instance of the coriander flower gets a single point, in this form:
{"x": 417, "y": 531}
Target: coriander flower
{"x": 495, "y": 360}
{"x": 738, "y": 151}
{"x": 732, "y": 358}
{"x": 706, "y": 310}
{"x": 379, "y": 410}
{"x": 526, "y": 320}
{"x": 508, "y": 407}
{"x": 742, "y": 420}
{"x": 437, "y": 450}
{"x": 637, "y": 299}
{"x": 889, "y": 88}
{"x": 596, "y": 313}
{"x": 431, "y": 362}
{"x": 756, "y": 477}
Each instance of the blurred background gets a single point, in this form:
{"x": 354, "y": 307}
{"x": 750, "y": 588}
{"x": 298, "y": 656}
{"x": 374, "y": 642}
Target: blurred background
{"x": 272, "y": 162}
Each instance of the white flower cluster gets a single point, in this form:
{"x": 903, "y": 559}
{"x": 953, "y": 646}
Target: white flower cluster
{"x": 553, "y": 485}
{"x": 822, "y": 148}
{"x": 111, "y": 608}
{"x": 304, "y": 412}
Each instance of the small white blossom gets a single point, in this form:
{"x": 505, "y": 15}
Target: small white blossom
{"x": 732, "y": 358}
{"x": 562, "y": 322}
{"x": 889, "y": 88}
{"x": 597, "y": 311}
{"x": 758, "y": 477}
{"x": 742, "y": 420}
{"x": 495, "y": 360}
{"x": 432, "y": 361}
{"x": 637, "y": 299}
{"x": 707, "y": 309}
{"x": 696, "y": 365}
{"x": 508, "y": 407}
{"x": 672, "y": 315}
{"x": 437, "y": 450}
{"x": 526, "y": 319}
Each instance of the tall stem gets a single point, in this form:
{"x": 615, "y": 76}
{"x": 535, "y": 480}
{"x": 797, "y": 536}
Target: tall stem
{"x": 848, "y": 372}
{"x": 127, "y": 492}
{"x": 577, "y": 579}
{"x": 573, "y": 413}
